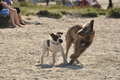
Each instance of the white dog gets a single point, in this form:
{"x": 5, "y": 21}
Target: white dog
{"x": 54, "y": 45}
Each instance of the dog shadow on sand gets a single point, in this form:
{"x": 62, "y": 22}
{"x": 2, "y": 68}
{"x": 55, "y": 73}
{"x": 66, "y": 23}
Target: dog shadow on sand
{"x": 73, "y": 67}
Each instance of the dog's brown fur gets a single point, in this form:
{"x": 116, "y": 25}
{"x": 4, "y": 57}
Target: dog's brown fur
{"x": 82, "y": 37}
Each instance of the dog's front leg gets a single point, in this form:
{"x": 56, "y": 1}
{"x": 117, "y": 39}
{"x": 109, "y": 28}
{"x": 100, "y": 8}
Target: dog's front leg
{"x": 53, "y": 54}
{"x": 42, "y": 58}
{"x": 63, "y": 55}
{"x": 75, "y": 57}
{"x": 43, "y": 54}
{"x": 72, "y": 61}
{"x": 68, "y": 45}
{"x": 77, "y": 61}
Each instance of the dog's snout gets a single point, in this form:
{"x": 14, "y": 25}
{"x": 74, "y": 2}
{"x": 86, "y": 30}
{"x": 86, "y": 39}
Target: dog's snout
{"x": 60, "y": 40}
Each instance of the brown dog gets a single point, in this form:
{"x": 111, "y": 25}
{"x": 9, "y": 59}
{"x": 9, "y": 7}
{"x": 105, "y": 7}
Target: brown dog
{"x": 82, "y": 37}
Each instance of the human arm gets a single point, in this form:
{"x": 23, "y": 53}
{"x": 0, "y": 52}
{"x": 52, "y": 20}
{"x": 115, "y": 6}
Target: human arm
{"x": 9, "y": 2}
{"x": 5, "y": 5}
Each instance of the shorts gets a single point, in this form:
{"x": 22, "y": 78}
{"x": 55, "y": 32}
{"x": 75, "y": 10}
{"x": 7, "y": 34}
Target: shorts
{"x": 4, "y": 12}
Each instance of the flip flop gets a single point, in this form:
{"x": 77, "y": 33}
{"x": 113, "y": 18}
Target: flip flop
{"x": 22, "y": 23}
{"x": 15, "y": 26}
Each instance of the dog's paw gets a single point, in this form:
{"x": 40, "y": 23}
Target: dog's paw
{"x": 66, "y": 63}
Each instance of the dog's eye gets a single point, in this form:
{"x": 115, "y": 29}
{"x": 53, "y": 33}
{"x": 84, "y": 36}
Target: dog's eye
{"x": 57, "y": 37}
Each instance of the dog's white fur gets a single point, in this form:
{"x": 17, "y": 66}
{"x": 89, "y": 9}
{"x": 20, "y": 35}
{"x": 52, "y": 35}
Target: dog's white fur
{"x": 54, "y": 47}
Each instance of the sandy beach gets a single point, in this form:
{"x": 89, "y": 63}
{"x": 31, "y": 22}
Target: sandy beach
{"x": 20, "y": 51}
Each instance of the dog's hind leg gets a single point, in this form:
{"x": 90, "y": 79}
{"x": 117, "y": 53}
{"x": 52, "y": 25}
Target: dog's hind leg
{"x": 68, "y": 45}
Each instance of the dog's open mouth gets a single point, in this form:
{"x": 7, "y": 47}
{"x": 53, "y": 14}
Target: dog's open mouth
{"x": 81, "y": 34}
{"x": 58, "y": 43}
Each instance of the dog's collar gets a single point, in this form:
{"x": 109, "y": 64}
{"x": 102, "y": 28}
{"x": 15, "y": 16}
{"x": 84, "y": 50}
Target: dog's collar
{"x": 54, "y": 43}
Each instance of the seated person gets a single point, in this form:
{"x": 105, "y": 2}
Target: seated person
{"x": 9, "y": 2}
{"x": 77, "y": 2}
{"x": 84, "y": 3}
{"x": 94, "y": 3}
{"x": 69, "y": 3}
{"x": 5, "y": 10}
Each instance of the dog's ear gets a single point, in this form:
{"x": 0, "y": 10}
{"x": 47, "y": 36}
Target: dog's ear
{"x": 59, "y": 33}
{"x": 51, "y": 34}
{"x": 92, "y": 23}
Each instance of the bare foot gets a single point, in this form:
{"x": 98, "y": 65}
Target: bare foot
{"x": 19, "y": 25}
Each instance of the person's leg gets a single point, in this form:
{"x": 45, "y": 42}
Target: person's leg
{"x": 47, "y": 1}
{"x": 20, "y": 19}
{"x": 12, "y": 18}
{"x": 19, "y": 15}
{"x": 16, "y": 18}
{"x": 110, "y": 5}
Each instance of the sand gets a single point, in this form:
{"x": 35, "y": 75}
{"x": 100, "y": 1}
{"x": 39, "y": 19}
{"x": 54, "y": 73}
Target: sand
{"x": 20, "y": 51}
